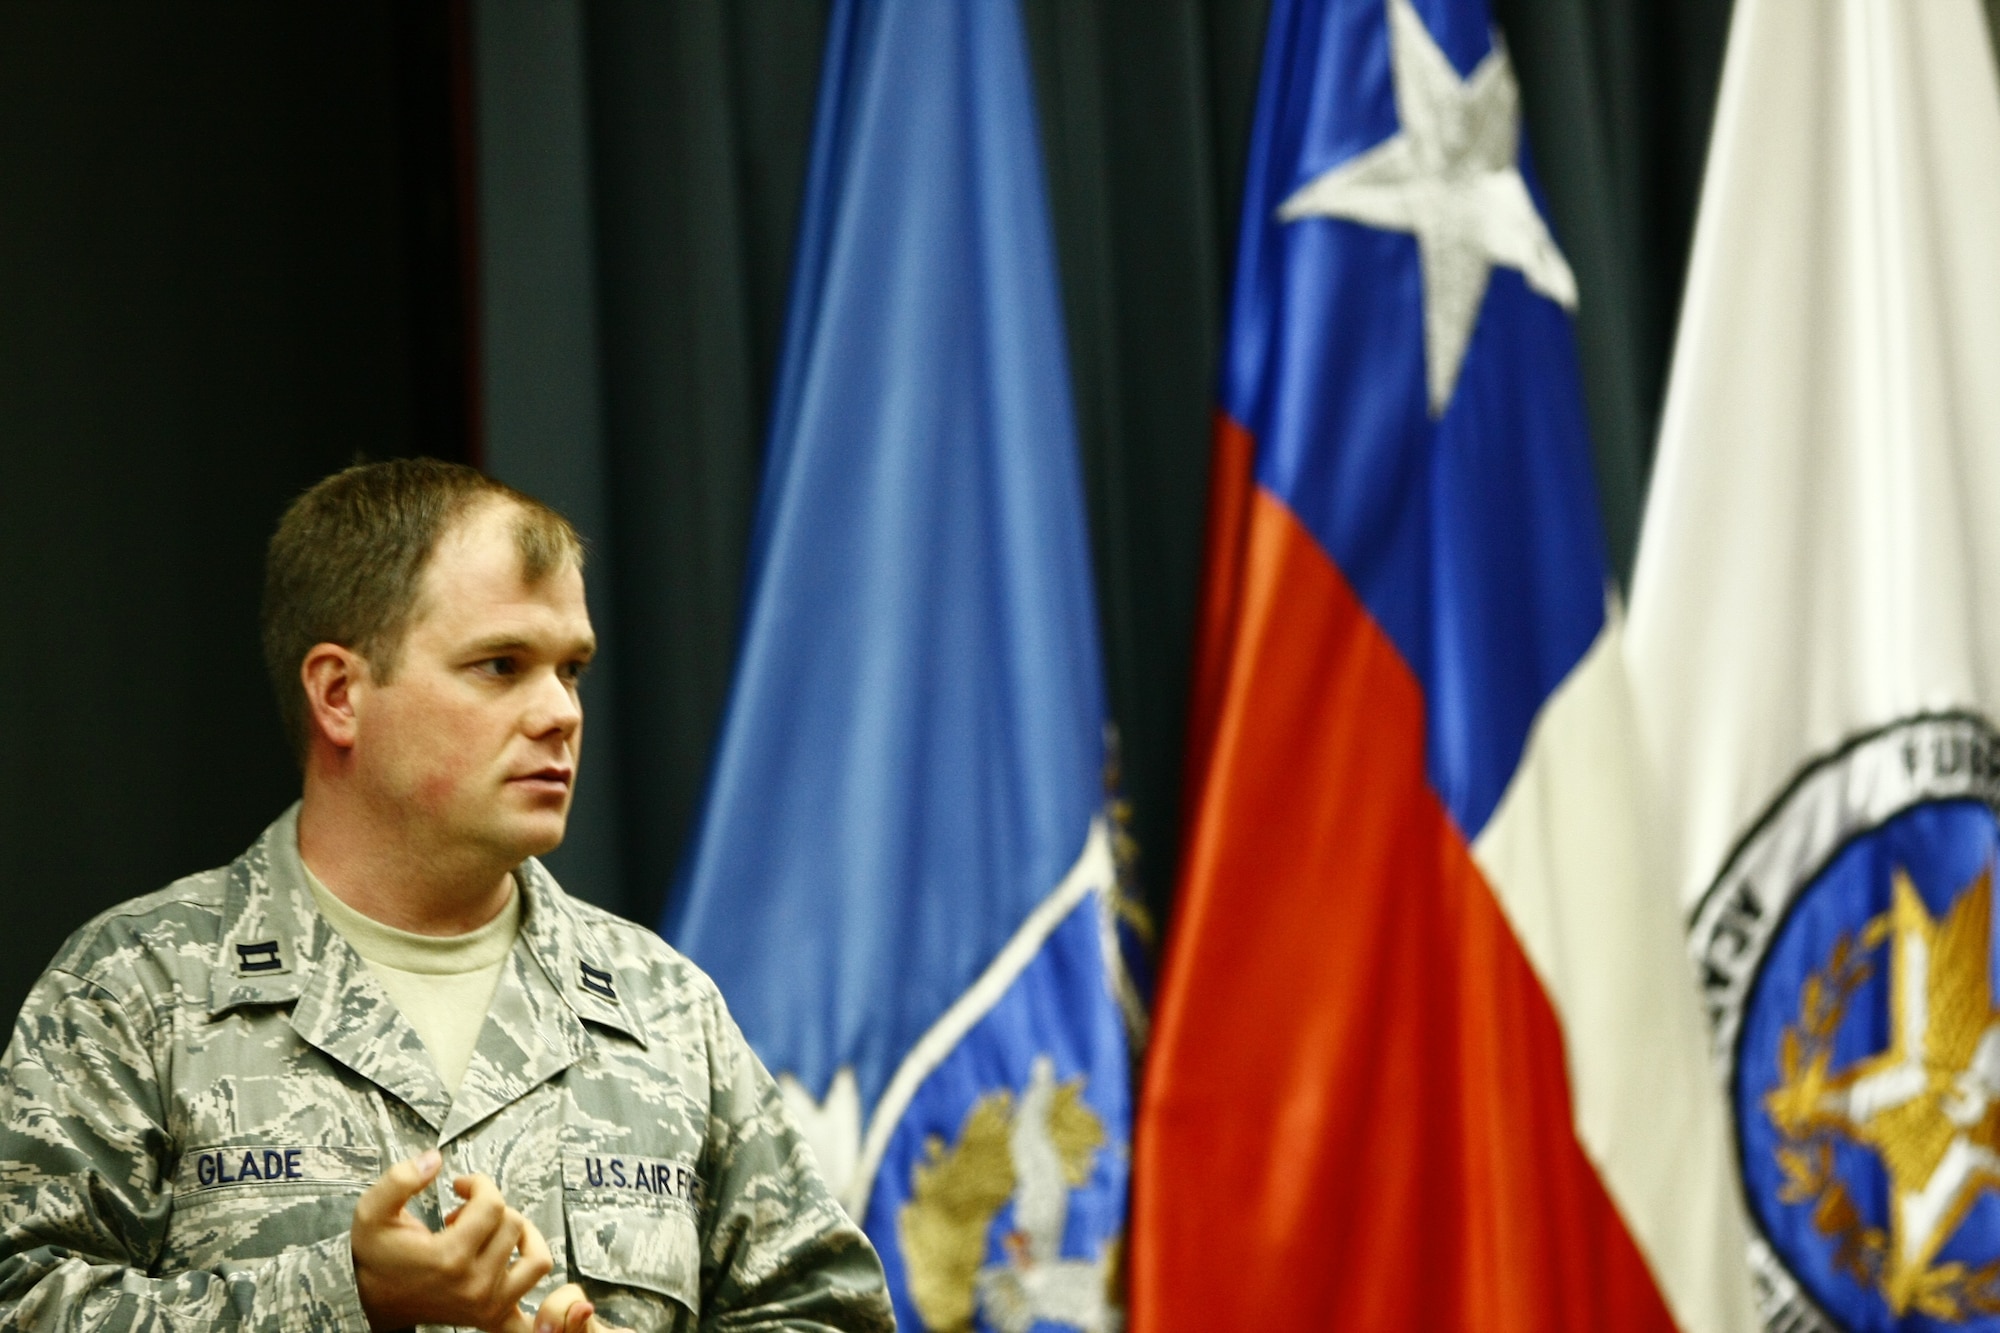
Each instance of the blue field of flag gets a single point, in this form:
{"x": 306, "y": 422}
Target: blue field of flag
{"x": 902, "y": 877}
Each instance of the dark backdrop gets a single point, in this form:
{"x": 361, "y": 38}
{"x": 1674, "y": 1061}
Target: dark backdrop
{"x": 240, "y": 243}
{"x": 228, "y": 263}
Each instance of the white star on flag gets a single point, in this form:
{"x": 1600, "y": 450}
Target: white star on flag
{"x": 1451, "y": 179}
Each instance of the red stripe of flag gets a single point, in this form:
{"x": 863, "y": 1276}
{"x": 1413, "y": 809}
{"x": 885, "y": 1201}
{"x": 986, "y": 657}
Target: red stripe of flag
{"x": 1356, "y": 1112}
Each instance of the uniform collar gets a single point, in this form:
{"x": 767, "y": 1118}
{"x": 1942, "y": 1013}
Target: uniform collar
{"x": 573, "y": 951}
{"x": 272, "y": 933}
{"x": 549, "y": 989}
{"x": 274, "y": 938}
{"x": 277, "y": 949}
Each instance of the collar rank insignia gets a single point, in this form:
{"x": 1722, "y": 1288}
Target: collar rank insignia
{"x": 596, "y": 981}
{"x": 259, "y": 958}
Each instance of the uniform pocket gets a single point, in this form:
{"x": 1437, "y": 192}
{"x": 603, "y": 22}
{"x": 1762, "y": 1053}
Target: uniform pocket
{"x": 240, "y": 1201}
{"x": 650, "y": 1249}
{"x": 631, "y": 1224}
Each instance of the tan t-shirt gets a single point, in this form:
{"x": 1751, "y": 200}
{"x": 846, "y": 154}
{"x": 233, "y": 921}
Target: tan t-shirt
{"x": 442, "y": 983}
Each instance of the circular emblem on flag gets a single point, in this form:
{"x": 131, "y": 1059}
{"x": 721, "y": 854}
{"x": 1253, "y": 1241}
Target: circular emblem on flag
{"x": 1847, "y": 960}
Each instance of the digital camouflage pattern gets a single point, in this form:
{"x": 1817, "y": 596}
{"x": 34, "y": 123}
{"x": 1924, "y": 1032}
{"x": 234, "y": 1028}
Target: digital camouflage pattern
{"x": 206, "y": 1078}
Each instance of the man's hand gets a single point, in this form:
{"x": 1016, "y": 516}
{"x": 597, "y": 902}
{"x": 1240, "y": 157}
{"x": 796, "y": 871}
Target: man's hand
{"x": 466, "y": 1274}
{"x": 568, "y": 1310}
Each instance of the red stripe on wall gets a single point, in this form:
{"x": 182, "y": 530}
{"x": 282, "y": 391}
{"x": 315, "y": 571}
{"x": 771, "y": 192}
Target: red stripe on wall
{"x": 1356, "y": 1113}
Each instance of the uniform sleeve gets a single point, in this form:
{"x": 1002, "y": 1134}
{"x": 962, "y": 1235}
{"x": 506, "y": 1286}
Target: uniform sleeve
{"x": 779, "y": 1252}
{"x": 85, "y": 1196}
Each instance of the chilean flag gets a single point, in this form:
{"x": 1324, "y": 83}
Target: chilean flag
{"x": 1427, "y": 1053}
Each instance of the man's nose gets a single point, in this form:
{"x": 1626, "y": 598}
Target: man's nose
{"x": 556, "y": 706}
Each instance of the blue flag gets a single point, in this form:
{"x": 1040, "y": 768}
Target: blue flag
{"x": 902, "y": 878}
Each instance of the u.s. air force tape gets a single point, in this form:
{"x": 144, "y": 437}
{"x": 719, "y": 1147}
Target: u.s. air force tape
{"x": 635, "y": 1177}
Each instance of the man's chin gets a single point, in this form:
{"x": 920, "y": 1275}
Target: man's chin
{"x": 533, "y": 834}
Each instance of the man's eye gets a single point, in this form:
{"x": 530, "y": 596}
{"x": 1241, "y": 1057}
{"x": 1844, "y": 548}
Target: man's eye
{"x": 498, "y": 666}
{"x": 573, "y": 671}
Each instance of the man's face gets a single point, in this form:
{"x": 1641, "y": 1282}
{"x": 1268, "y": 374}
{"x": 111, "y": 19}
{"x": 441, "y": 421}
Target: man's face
{"x": 475, "y": 737}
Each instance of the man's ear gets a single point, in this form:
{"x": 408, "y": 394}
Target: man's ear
{"x": 332, "y": 676}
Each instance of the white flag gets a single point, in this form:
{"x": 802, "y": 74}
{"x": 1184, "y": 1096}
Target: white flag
{"x": 1814, "y": 642}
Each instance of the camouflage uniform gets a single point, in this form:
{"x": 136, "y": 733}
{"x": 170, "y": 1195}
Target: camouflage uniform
{"x": 206, "y": 1078}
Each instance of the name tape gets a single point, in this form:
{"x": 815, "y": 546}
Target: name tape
{"x": 275, "y": 1163}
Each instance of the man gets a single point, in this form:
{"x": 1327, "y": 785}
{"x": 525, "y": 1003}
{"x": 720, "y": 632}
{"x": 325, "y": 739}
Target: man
{"x": 380, "y": 1071}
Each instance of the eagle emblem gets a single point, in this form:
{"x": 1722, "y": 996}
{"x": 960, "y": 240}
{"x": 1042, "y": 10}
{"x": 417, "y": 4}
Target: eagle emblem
{"x": 1032, "y": 1154}
{"x": 1928, "y": 1107}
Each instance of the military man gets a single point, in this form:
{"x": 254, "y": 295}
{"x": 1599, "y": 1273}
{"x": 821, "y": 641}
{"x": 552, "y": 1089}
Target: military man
{"x": 380, "y": 1071}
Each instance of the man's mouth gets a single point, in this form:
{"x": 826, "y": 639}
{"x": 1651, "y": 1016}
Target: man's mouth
{"x": 553, "y": 778}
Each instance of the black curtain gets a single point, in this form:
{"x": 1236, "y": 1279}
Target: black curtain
{"x": 701, "y": 116}
{"x": 230, "y": 261}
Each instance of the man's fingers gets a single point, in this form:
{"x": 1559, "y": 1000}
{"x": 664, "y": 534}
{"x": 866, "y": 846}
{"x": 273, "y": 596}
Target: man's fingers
{"x": 497, "y": 1253}
{"x": 475, "y": 1187}
{"x": 564, "y": 1310}
{"x": 513, "y": 1275}
{"x": 477, "y": 1269}
{"x": 382, "y": 1201}
{"x": 471, "y": 1227}
{"x": 526, "y": 1273}
{"x": 568, "y": 1310}
{"x": 535, "y": 1257}
{"x": 583, "y": 1319}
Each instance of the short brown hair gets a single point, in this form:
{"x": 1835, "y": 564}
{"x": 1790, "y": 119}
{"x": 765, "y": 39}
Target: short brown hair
{"x": 348, "y": 559}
